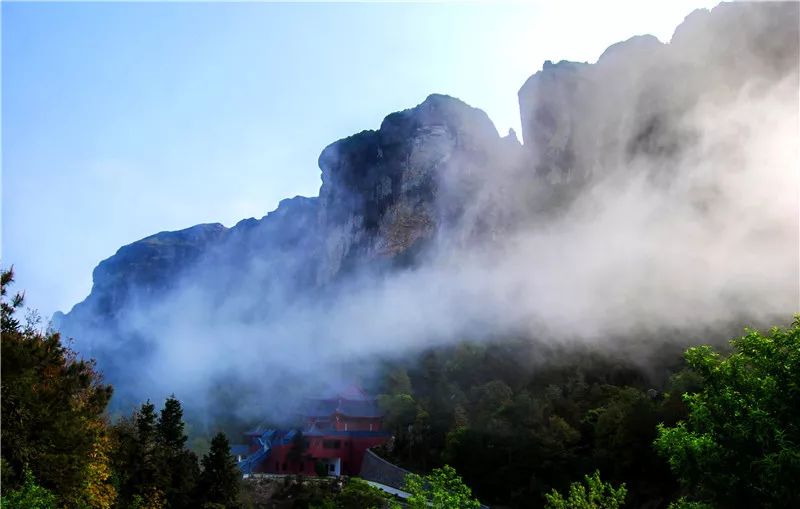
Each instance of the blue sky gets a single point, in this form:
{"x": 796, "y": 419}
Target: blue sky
{"x": 122, "y": 120}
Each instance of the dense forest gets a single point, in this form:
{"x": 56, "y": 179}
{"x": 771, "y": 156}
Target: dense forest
{"x": 696, "y": 426}
{"x": 522, "y": 425}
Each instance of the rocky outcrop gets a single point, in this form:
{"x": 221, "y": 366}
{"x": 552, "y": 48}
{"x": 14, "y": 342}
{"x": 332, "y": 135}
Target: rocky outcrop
{"x": 386, "y": 196}
{"x": 582, "y": 121}
{"x": 141, "y": 269}
{"x": 386, "y": 193}
{"x": 439, "y": 175}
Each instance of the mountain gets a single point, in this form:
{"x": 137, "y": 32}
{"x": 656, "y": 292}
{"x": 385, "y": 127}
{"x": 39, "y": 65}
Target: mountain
{"x": 654, "y": 149}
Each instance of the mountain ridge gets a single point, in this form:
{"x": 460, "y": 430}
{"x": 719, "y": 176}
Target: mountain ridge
{"x": 437, "y": 181}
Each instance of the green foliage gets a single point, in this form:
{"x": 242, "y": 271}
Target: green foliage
{"x": 593, "y": 493}
{"x": 740, "y": 445}
{"x": 219, "y": 480}
{"x": 178, "y": 465}
{"x": 145, "y": 464}
{"x": 300, "y": 492}
{"x": 151, "y": 463}
{"x": 325, "y": 503}
{"x": 28, "y": 496}
{"x": 516, "y": 429}
{"x": 8, "y": 307}
{"x": 52, "y": 412}
{"x": 170, "y": 426}
{"x": 682, "y": 503}
{"x": 441, "y": 489}
{"x": 152, "y": 498}
{"x": 399, "y": 409}
{"x": 358, "y": 493}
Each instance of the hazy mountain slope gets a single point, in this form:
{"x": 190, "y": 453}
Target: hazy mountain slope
{"x": 655, "y": 189}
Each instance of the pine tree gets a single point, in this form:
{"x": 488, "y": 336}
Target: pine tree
{"x": 219, "y": 481}
{"x": 52, "y": 411}
{"x": 170, "y": 425}
{"x": 145, "y": 469}
{"x": 151, "y": 462}
{"x": 178, "y": 465}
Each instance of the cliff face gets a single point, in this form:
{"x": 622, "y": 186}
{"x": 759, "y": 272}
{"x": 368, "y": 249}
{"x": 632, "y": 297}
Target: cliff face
{"x": 386, "y": 194}
{"x": 581, "y": 122}
{"x": 387, "y": 197}
{"x": 437, "y": 177}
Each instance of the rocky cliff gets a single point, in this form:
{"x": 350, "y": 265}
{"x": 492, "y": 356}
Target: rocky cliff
{"x": 581, "y": 121}
{"x": 438, "y": 177}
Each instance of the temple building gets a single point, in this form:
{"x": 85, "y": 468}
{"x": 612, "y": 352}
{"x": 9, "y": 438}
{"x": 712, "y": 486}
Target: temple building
{"x": 335, "y": 434}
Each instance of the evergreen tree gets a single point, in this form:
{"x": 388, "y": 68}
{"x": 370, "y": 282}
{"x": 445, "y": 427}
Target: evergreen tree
{"x": 52, "y": 412}
{"x": 136, "y": 460}
{"x": 124, "y": 458}
{"x": 145, "y": 471}
{"x": 178, "y": 465}
{"x": 219, "y": 481}
{"x": 170, "y": 425}
{"x": 146, "y": 426}
{"x": 151, "y": 462}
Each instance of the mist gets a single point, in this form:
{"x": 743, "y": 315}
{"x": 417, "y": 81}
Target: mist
{"x": 676, "y": 210}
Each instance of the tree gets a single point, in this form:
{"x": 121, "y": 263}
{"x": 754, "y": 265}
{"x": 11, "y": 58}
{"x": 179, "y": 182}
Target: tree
{"x": 28, "y": 496}
{"x": 134, "y": 459}
{"x": 124, "y": 458}
{"x": 593, "y": 493}
{"x": 177, "y": 465}
{"x": 145, "y": 466}
{"x": 52, "y": 412}
{"x": 359, "y": 493}
{"x": 99, "y": 490}
{"x": 740, "y": 445}
{"x": 151, "y": 464}
{"x": 170, "y": 425}
{"x": 219, "y": 480}
{"x": 441, "y": 489}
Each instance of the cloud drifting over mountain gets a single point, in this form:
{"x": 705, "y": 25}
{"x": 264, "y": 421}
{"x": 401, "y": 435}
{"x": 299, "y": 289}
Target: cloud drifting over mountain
{"x": 656, "y": 190}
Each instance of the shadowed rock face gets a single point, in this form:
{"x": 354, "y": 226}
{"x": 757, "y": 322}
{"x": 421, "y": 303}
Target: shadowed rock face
{"x": 386, "y": 193}
{"x": 438, "y": 177}
{"x": 150, "y": 264}
{"x": 380, "y": 201}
